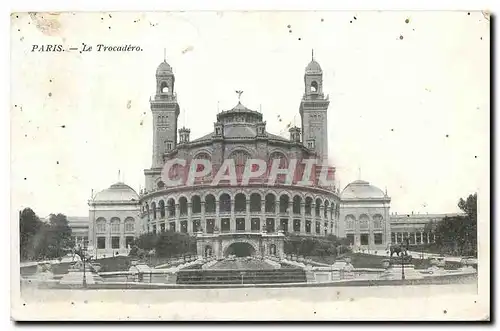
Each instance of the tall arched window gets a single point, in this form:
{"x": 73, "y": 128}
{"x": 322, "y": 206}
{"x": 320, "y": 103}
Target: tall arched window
{"x": 255, "y": 203}
{"x": 209, "y": 204}
{"x": 100, "y": 225}
{"x": 327, "y": 205}
{"x": 363, "y": 222}
{"x": 162, "y": 208}
{"x": 297, "y": 200}
{"x": 183, "y": 206}
{"x": 225, "y": 203}
{"x": 240, "y": 203}
{"x": 115, "y": 225}
{"x": 196, "y": 204}
{"x": 308, "y": 206}
{"x": 283, "y": 164}
{"x": 270, "y": 203}
{"x": 349, "y": 222}
{"x": 171, "y": 207}
{"x": 240, "y": 159}
{"x": 200, "y": 167}
{"x": 318, "y": 208}
{"x": 153, "y": 207}
{"x": 284, "y": 203}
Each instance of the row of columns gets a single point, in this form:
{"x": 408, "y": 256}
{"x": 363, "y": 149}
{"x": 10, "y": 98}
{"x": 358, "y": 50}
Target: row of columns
{"x": 429, "y": 238}
{"x": 263, "y": 202}
{"x": 247, "y": 215}
{"x": 109, "y": 233}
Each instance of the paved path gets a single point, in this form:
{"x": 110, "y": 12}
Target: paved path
{"x": 415, "y": 254}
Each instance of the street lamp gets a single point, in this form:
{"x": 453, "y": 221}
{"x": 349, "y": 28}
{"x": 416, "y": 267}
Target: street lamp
{"x": 81, "y": 253}
{"x": 402, "y": 266}
{"x": 84, "y": 274}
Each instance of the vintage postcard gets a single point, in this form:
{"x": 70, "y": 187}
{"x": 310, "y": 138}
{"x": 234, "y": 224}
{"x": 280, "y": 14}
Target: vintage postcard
{"x": 257, "y": 165}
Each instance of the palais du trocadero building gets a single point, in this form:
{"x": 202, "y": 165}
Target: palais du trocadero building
{"x": 248, "y": 219}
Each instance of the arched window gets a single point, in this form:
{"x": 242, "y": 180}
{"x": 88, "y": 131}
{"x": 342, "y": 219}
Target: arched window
{"x": 202, "y": 156}
{"x": 209, "y": 204}
{"x": 115, "y": 225}
{"x": 284, "y": 202}
{"x": 146, "y": 206}
{"x": 196, "y": 204}
{"x": 377, "y": 221}
{"x": 325, "y": 215}
{"x": 171, "y": 207}
{"x": 270, "y": 203}
{"x": 240, "y": 203}
{"x": 200, "y": 167}
{"x": 283, "y": 164}
{"x": 240, "y": 159}
{"x": 153, "y": 207}
{"x": 100, "y": 225}
{"x": 164, "y": 87}
{"x": 318, "y": 208}
{"x": 129, "y": 224}
{"x": 349, "y": 222}
{"x": 225, "y": 203}
{"x": 161, "y": 204}
{"x": 255, "y": 202}
{"x": 279, "y": 157}
{"x": 363, "y": 222}
{"x": 183, "y": 206}
{"x": 314, "y": 86}
{"x": 308, "y": 206}
{"x": 296, "y": 204}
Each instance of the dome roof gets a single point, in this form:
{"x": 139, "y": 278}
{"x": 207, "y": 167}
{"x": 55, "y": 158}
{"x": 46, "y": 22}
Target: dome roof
{"x": 313, "y": 68}
{"x": 164, "y": 68}
{"x": 117, "y": 192}
{"x": 361, "y": 189}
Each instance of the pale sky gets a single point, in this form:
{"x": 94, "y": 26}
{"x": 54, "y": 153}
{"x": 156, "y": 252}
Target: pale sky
{"x": 409, "y": 102}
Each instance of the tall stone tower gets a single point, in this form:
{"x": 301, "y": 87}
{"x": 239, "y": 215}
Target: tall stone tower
{"x": 313, "y": 111}
{"x": 165, "y": 111}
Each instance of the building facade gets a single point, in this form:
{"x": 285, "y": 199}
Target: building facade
{"x": 249, "y": 218}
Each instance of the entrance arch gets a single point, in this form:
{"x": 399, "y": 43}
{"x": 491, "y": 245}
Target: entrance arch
{"x": 240, "y": 249}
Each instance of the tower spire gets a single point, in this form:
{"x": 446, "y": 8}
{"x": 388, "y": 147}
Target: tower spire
{"x": 312, "y": 54}
{"x": 164, "y": 55}
{"x": 118, "y": 175}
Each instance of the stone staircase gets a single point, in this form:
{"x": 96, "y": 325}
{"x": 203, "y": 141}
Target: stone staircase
{"x": 242, "y": 276}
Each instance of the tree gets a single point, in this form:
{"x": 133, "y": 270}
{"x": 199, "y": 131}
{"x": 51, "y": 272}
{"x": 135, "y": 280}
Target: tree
{"x": 166, "y": 244}
{"x": 43, "y": 240}
{"x": 458, "y": 234}
{"x": 55, "y": 238}
{"x": 314, "y": 246}
{"x": 29, "y": 226}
